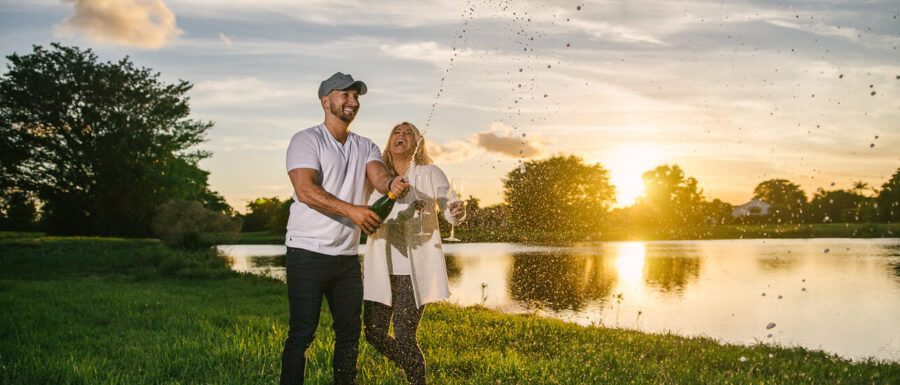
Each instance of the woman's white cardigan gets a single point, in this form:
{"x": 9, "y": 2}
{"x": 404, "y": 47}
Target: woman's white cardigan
{"x": 428, "y": 271}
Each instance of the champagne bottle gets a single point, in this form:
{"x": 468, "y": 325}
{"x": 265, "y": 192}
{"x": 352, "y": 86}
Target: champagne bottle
{"x": 382, "y": 207}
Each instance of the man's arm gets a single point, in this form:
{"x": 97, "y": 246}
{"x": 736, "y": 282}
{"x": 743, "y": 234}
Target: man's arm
{"x": 313, "y": 195}
{"x": 380, "y": 178}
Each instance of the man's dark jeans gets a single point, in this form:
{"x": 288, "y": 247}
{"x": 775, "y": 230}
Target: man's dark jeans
{"x": 309, "y": 276}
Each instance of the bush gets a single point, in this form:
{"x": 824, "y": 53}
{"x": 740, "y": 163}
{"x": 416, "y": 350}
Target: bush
{"x": 188, "y": 224}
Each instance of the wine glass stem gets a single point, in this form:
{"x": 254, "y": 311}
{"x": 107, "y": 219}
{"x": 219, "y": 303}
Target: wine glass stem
{"x": 452, "y": 231}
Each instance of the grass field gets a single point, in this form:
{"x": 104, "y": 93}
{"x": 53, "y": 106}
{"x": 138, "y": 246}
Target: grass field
{"x": 116, "y": 311}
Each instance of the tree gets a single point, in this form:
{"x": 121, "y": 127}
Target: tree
{"x": 717, "y": 211}
{"x": 840, "y": 206}
{"x": 786, "y": 198}
{"x": 101, "y": 145}
{"x": 669, "y": 199}
{"x": 888, "y": 201}
{"x": 559, "y": 193}
{"x": 17, "y": 212}
{"x": 859, "y": 186}
{"x": 190, "y": 225}
{"x": 261, "y": 213}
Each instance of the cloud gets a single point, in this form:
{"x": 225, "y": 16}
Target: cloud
{"x": 146, "y": 24}
{"x": 451, "y": 152}
{"x": 429, "y": 51}
{"x": 225, "y": 39}
{"x": 249, "y": 92}
{"x": 500, "y": 140}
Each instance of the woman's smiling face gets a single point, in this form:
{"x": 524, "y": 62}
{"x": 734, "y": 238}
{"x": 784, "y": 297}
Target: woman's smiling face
{"x": 403, "y": 141}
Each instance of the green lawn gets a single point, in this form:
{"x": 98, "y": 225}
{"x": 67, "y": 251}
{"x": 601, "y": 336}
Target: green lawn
{"x": 101, "y": 310}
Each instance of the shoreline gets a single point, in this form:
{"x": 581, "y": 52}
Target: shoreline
{"x": 719, "y": 232}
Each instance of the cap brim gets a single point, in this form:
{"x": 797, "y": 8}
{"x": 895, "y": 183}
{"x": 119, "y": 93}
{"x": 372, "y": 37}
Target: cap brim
{"x": 358, "y": 85}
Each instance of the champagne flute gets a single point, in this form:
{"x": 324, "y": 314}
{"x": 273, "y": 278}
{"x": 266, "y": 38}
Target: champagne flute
{"x": 455, "y": 195}
{"x": 423, "y": 191}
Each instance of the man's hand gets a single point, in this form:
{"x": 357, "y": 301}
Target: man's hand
{"x": 366, "y": 219}
{"x": 399, "y": 186}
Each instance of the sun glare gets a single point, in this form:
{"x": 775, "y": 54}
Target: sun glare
{"x": 626, "y": 167}
{"x": 630, "y": 262}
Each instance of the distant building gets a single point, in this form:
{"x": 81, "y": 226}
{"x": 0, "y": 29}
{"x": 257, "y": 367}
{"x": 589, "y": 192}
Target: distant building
{"x": 755, "y": 207}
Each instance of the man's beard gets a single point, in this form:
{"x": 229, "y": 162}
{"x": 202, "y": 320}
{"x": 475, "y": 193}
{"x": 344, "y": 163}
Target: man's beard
{"x": 339, "y": 113}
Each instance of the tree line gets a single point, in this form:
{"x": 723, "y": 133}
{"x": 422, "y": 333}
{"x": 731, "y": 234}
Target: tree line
{"x": 102, "y": 148}
{"x": 548, "y": 197}
{"x": 563, "y": 194}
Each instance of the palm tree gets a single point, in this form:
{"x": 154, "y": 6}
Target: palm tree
{"x": 858, "y": 187}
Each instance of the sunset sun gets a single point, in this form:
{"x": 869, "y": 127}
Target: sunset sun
{"x": 626, "y": 167}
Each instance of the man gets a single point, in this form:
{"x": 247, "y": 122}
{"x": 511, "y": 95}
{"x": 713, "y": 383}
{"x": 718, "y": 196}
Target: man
{"x": 328, "y": 166}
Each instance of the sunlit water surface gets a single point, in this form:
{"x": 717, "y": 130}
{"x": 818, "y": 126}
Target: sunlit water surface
{"x": 837, "y": 295}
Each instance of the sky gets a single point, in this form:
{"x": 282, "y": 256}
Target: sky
{"x": 734, "y": 93}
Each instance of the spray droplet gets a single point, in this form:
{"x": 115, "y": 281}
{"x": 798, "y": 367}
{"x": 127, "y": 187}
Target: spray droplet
{"x": 827, "y": 250}
{"x": 841, "y": 76}
{"x": 568, "y": 45}
{"x": 873, "y": 93}
{"x": 578, "y": 8}
{"x": 871, "y": 145}
{"x": 770, "y": 325}
{"x": 743, "y": 359}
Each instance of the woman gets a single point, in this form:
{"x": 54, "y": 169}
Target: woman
{"x": 404, "y": 264}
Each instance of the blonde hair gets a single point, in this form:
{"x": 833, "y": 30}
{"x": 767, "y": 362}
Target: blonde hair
{"x": 421, "y": 156}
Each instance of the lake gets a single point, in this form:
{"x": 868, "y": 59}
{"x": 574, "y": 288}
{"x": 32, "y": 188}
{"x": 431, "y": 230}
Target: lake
{"x": 837, "y": 295}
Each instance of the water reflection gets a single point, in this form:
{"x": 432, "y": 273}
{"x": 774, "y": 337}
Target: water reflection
{"x": 559, "y": 281}
{"x": 267, "y": 261}
{"x": 630, "y": 261}
{"x": 454, "y": 271}
{"x": 671, "y": 275}
{"x": 813, "y": 287}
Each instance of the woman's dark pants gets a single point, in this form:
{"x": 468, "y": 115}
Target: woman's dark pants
{"x": 403, "y": 347}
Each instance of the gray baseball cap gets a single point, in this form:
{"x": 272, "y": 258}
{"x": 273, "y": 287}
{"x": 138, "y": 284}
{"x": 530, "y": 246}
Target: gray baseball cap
{"x": 340, "y": 81}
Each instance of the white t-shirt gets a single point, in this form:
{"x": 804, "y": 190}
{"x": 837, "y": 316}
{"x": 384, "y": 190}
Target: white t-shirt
{"x": 342, "y": 173}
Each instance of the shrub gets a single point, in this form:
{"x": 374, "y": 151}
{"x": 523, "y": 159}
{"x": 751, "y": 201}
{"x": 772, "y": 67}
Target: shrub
{"x": 188, "y": 224}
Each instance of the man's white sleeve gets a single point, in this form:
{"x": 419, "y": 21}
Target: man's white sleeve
{"x": 303, "y": 152}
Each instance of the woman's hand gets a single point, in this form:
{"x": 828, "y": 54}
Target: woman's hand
{"x": 399, "y": 186}
{"x": 458, "y": 209}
